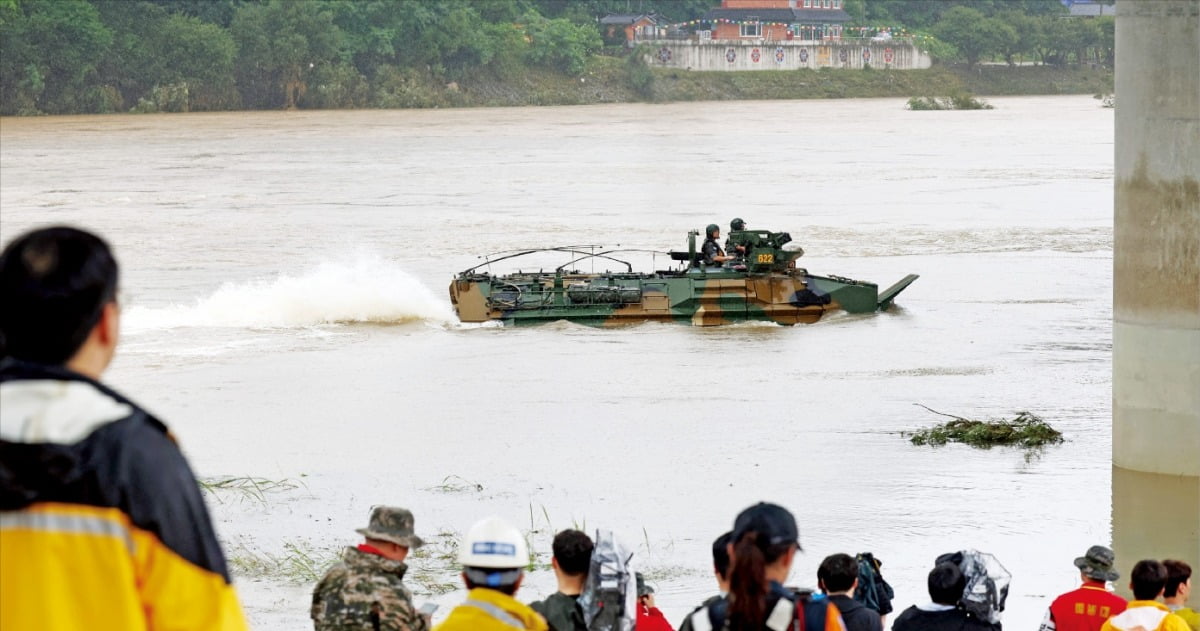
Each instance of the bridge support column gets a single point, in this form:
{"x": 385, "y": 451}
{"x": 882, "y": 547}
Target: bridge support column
{"x": 1156, "y": 284}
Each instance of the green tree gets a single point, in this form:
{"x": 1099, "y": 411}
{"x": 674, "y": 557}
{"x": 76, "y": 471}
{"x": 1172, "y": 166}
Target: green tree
{"x": 155, "y": 52}
{"x": 971, "y": 34}
{"x": 1084, "y": 36}
{"x": 1064, "y": 37}
{"x": 50, "y": 48}
{"x": 562, "y": 44}
{"x": 213, "y": 11}
{"x": 200, "y": 55}
{"x": 1106, "y": 43}
{"x": 1025, "y": 28}
{"x": 278, "y": 42}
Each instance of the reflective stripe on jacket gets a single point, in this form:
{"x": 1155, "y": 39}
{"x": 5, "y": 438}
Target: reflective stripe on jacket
{"x": 102, "y": 523}
{"x": 488, "y": 610}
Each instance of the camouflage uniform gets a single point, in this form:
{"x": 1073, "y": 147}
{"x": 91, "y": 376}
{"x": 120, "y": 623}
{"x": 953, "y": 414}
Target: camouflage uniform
{"x": 365, "y": 591}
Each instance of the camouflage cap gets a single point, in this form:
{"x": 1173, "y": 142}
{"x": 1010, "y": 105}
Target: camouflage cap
{"x": 390, "y": 523}
{"x": 1098, "y": 564}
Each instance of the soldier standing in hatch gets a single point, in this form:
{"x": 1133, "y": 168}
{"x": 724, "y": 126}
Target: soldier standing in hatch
{"x": 364, "y": 590}
{"x": 736, "y": 247}
{"x": 711, "y": 251}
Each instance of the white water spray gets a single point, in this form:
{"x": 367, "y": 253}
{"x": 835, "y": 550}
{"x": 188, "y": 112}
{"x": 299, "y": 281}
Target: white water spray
{"x": 368, "y": 290}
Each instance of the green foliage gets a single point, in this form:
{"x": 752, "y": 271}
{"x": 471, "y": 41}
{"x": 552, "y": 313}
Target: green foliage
{"x": 562, "y": 45}
{"x": 1025, "y": 430}
{"x": 937, "y": 49}
{"x": 958, "y": 101}
{"x": 973, "y": 35}
{"x": 49, "y": 58}
{"x": 1027, "y": 30}
{"x": 78, "y": 56}
{"x": 335, "y": 86}
{"x": 279, "y": 43}
{"x": 586, "y": 11}
{"x": 641, "y": 78}
{"x": 403, "y": 88}
{"x": 924, "y": 14}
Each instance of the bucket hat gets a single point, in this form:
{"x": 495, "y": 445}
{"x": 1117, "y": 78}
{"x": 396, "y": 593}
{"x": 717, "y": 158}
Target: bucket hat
{"x": 394, "y": 524}
{"x": 1098, "y": 564}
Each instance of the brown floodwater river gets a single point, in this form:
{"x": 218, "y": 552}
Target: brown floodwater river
{"x": 287, "y": 315}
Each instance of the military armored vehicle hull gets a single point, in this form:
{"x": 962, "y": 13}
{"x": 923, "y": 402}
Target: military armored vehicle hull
{"x": 768, "y": 287}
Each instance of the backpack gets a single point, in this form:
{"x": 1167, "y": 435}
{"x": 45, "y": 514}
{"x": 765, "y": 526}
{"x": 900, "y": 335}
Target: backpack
{"x": 810, "y": 612}
{"x": 987, "y": 583}
{"x": 873, "y": 591}
{"x": 609, "y": 598}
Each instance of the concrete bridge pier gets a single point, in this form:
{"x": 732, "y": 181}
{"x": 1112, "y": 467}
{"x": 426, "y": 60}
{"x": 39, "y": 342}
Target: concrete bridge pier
{"x": 1156, "y": 284}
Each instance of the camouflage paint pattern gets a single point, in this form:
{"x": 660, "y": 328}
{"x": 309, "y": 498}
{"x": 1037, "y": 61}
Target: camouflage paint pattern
{"x": 364, "y": 591}
{"x": 765, "y": 285}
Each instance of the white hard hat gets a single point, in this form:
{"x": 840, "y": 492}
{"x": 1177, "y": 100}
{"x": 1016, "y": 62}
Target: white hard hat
{"x": 494, "y": 543}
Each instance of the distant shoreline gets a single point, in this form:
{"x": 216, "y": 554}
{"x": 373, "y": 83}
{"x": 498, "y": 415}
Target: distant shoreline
{"x": 611, "y": 80}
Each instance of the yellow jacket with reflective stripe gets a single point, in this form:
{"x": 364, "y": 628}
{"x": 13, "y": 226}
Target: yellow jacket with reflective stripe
{"x": 1145, "y": 614}
{"x": 102, "y": 524}
{"x": 490, "y": 610}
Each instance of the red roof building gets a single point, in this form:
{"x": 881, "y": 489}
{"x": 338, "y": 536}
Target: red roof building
{"x": 777, "y": 19}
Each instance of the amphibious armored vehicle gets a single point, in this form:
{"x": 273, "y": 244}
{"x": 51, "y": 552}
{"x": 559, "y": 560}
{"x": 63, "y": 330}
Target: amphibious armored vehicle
{"x": 764, "y": 284}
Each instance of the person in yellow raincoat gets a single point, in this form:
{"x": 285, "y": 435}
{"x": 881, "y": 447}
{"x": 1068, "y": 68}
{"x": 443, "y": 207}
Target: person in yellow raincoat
{"x": 493, "y": 557}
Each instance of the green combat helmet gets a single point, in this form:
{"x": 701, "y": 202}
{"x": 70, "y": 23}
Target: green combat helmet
{"x": 737, "y": 224}
{"x": 712, "y": 227}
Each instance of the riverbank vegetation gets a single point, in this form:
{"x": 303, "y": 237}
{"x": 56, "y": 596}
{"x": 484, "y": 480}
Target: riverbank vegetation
{"x": 1026, "y": 430}
{"x": 953, "y": 102}
{"x": 100, "y": 56}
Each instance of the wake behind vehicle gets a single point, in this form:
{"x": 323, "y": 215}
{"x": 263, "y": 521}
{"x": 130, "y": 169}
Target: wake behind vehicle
{"x": 765, "y": 284}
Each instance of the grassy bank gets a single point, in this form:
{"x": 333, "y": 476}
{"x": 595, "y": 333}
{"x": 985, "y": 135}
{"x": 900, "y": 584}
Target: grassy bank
{"x": 610, "y": 80}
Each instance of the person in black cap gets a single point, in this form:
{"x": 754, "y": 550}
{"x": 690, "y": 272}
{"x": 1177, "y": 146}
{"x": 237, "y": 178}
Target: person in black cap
{"x": 711, "y": 251}
{"x": 1086, "y": 608}
{"x": 946, "y": 585}
{"x": 763, "y": 545}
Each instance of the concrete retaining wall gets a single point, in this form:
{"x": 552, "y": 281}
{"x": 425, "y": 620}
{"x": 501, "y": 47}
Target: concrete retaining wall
{"x": 784, "y": 55}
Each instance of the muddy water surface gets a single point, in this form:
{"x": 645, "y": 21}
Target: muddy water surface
{"x": 288, "y": 317}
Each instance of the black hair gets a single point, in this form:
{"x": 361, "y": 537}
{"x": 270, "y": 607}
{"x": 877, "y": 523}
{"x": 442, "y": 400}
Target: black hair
{"x": 1178, "y": 573}
{"x": 748, "y": 585}
{"x": 573, "y": 551}
{"x": 1148, "y": 579}
{"x": 837, "y": 572}
{"x": 503, "y": 581}
{"x": 720, "y": 550}
{"x": 946, "y": 584}
{"x": 54, "y": 283}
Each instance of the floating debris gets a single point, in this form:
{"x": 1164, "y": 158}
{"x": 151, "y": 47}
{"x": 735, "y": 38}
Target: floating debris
{"x": 952, "y": 102}
{"x": 246, "y": 487}
{"x": 1027, "y": 430}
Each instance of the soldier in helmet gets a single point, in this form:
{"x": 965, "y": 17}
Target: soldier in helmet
{"x": 493, "y": 557}
{"x": 734, "y": 246}
{"x": 711, "y": 251}
{"x": 740, "y": 242}
{"x": 364, "y": 590}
